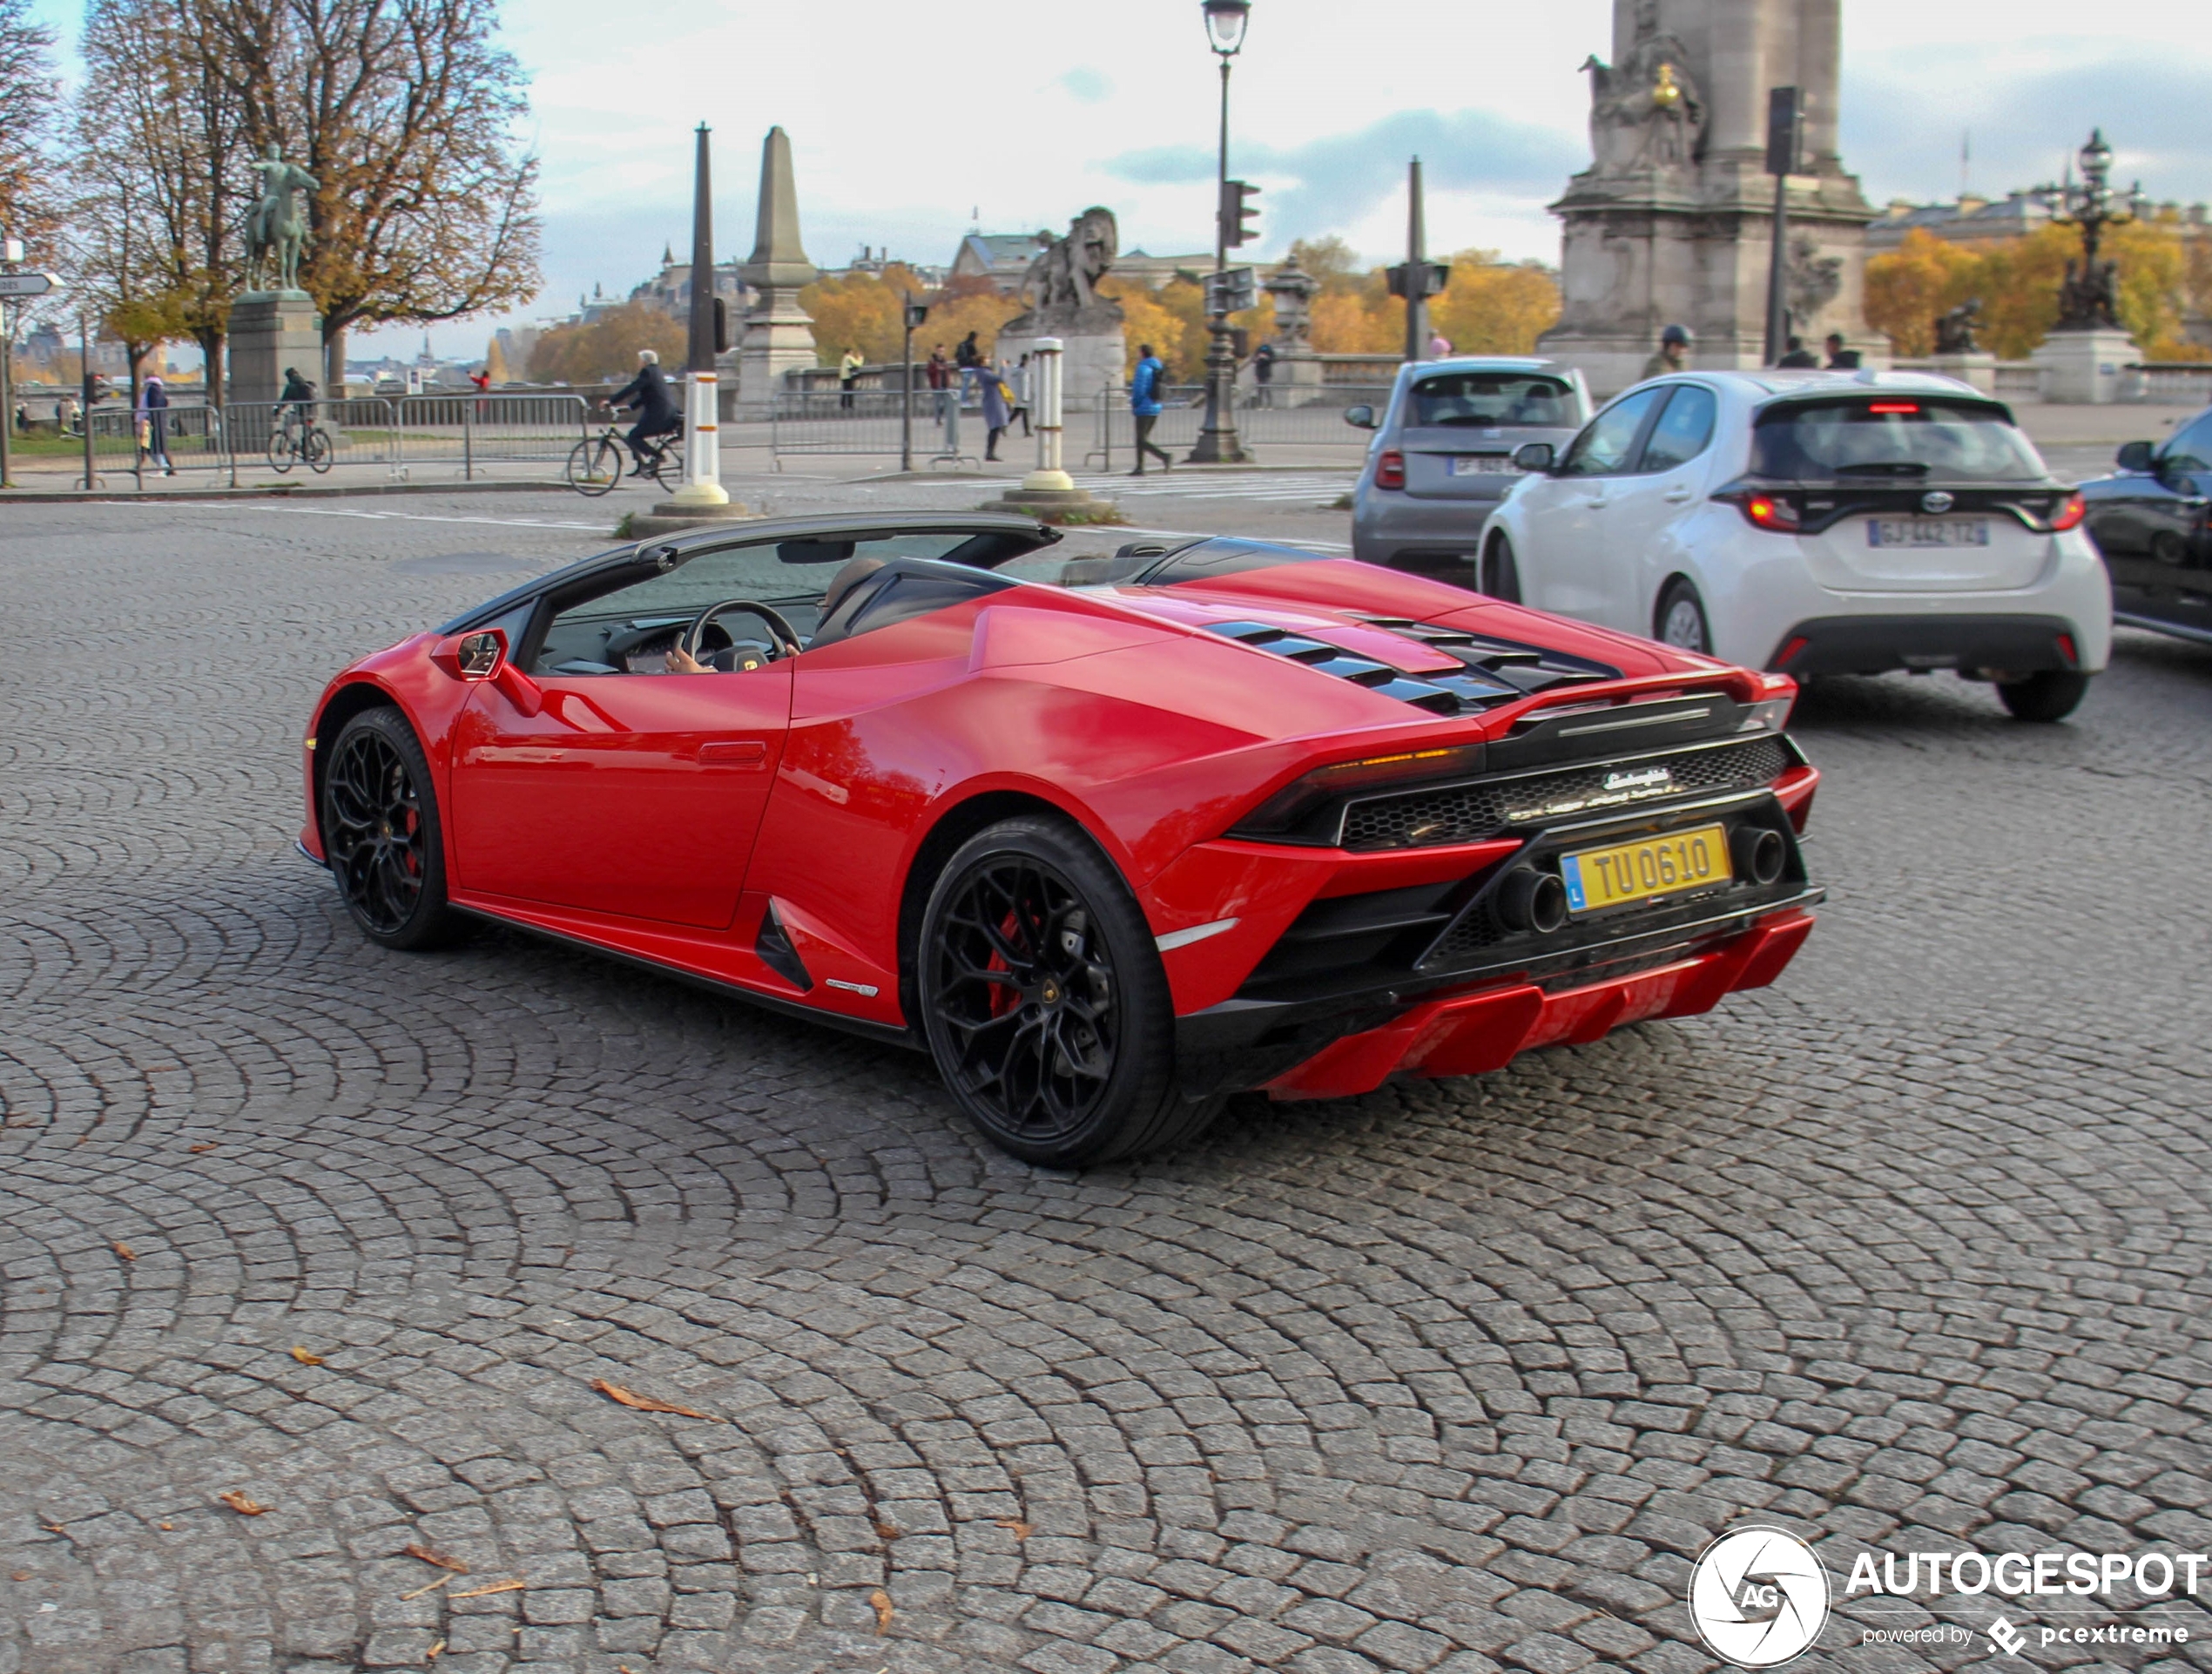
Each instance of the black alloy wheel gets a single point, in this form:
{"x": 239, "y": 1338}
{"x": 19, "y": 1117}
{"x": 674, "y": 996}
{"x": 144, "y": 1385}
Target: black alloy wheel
{"x": 1500, "y": 575}
{"x": 1044, "y": 1002}
{"x": 381, "y": 832}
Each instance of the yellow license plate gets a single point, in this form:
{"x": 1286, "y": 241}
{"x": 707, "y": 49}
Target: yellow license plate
{"x": 1646, "y": 869}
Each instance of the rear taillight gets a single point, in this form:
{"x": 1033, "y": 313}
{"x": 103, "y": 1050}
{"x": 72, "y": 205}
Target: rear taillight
{"x": 1284, "y": 811}
{"x": 1390, "y": 470}
{"x": 2070, "y": 514}
{"x": 1768, "y": 511}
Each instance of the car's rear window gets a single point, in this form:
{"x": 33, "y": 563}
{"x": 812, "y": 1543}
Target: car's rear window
{"x": 1490, "y": 399}
{"x": 1871, "y": 438}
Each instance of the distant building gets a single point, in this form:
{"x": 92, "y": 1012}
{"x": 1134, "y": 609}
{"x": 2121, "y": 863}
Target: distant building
{"x": 1002, "y": 257}
{"x": 1153, "y": 272}
{"x": 1974, "y": 221}
{"x": 670, "y": 290}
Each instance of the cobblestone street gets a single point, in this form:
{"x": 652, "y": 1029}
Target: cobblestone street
{"x": 1911, "y": 1250}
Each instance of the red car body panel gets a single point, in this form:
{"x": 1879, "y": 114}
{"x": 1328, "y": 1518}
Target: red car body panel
{"x": 659, "y": 818}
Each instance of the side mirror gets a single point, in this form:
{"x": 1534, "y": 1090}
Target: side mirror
{"x": 1533, "y": 456}
{"x": 1361, "y": 418}
{"x": 471, "y": 657}
{"x": 2135, "y": 455}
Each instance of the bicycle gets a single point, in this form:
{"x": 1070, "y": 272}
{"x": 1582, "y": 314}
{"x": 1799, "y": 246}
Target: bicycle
{"x": 597, "y": 463}
{"x": 300, "y": 438}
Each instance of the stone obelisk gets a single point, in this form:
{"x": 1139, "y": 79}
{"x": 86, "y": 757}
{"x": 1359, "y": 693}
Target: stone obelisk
{"x": 1670, "y": 223}
{"x": 779, "y": 335}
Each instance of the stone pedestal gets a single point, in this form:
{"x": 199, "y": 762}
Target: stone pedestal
{"x": 1296, "y": 380}
{"x": 269, "y": 331}
{"x": 2084, "y": 368}
{"x": 779, "y": 338}
{"x": 1979, "y": 369}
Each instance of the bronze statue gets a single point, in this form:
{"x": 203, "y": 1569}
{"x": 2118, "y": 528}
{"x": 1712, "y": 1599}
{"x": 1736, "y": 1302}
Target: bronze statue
{"x": 2089, "y": 295}
{"x": 1954, "y": 331}
{"x": 275, "y": 231}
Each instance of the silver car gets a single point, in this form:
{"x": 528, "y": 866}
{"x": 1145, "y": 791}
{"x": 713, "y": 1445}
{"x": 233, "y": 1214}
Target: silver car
{"x": 1442, "y": 455}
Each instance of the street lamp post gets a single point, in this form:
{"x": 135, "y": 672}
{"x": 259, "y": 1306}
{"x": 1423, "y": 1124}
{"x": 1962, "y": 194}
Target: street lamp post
{"x": 1217, "y": 444}
{"x": 2089, "y": 298}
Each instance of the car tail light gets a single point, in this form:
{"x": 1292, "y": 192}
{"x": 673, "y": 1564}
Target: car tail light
{"x": 1390, "y": 470}
{"x": 2070, "y": 514}
{"x": 1893, "y": 407}
{"x": 1767, "y": 512}
{"x": 2068, "y": 651}
{"x": 1288, "y": 806}
{"x": 1791, "y": 647}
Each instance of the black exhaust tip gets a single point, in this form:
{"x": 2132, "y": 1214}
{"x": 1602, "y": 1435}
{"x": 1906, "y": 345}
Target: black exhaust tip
{"x": 1529, "y": 899}
{"x": 1759, "y": 854}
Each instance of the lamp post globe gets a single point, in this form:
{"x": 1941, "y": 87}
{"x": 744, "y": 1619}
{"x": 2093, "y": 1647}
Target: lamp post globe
{"x": 1225, "y": 21}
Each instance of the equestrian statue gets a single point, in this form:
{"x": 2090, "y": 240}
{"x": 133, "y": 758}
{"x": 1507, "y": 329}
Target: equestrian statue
{"x": 276, "y": 232}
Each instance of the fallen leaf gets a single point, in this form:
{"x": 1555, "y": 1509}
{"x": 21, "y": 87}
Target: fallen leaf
{"x": 434, "y": 1652}
{"x": 53, "y": 1527}
{"x": 431, "y": 1554}
{"x": 513, "y": 1586}
{"x": 646, "y": 1403}
{"x": 241, "y": 1504}
{"x": 201, "y": 1150}
{"x": 167, "y": 1527}
{"x": 306, "y": 1358}
{"x": 125, "y": 1251}
{"x": 1022, "y": 1530}
{"x": 431, "y": 1588}
{"x": 21, "y": 1574}
{"x": 886, "y": 1531}
{"x": 882, "y": 1601}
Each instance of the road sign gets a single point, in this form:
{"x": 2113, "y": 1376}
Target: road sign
{"x": 27, "y": 284}
{"x": 1231, "y": 292}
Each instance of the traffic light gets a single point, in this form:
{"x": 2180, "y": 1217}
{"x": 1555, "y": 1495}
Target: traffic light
{"x": 1785, "y": 127}
{"x": 721, "y": 325}
{"x": 1240, "y": 215}
{"x": 916, "y": 314}
{"x": 1428, "y": 277}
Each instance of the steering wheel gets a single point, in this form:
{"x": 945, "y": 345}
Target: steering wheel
{"x": 787, "y": 637}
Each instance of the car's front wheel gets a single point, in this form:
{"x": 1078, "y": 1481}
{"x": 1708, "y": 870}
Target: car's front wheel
{"x": 1682, "y": 618}
{"x": 1500, "y": 574}
{"x": 381, "y": 835}
{"x": 2050, "y": 696}
{"x": 1044, "y": 1002}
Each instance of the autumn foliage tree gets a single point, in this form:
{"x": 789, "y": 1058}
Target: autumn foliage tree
{"x": 605, "y": 350}
{"x": 28, "y": 97}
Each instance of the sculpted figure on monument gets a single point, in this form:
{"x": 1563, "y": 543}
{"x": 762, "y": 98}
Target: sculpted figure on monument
{"x": 2089, "y": 296}
{"x": 1061, "y": 287}
{"x": 1954, "y": 329}
{"x": 1645, "y": 111}
{"x": 275, "y": 231}
{"x": 1811, "y": 281}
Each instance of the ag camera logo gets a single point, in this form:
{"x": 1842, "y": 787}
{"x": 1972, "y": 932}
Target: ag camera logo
{"x": 1758, "y": 1596}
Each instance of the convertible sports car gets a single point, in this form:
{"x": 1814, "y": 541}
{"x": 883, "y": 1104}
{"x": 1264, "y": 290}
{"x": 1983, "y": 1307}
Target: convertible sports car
{"x": 1113, "y": 834}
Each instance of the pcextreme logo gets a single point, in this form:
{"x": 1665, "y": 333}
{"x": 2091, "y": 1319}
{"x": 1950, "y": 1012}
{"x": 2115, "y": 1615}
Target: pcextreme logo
{"x": 1758, "y": 1596}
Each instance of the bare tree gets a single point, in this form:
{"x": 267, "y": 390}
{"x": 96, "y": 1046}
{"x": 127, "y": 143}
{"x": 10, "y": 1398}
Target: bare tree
{"x": 404, "y": 111}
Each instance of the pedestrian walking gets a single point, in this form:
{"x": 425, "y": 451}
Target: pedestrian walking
{"x": 154, "y": 423}
{"x": 65, "y": 416}
{"x": 1263, "y": 374}
{"x": 1439, "y": 346}
{"x": 1839, "y": 358}
{"x": 1144, "y": 407}
{"x": 1017, "y": 379}
{"x": 937, "y": 372}
{"x": 1673, "y": 353}
{"x": 969, "y": 360}
{"x": 849, "y": 377}
{"x": 1797, "y": 355}
{"x": 998, "y": 411}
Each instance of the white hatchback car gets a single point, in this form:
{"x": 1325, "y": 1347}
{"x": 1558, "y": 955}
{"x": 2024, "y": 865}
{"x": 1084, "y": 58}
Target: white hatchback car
{"x": 1816, "y": 523}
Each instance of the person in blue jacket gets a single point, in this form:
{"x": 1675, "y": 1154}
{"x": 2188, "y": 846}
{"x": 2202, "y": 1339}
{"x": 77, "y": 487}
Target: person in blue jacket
{"x": 1144, "y": 406}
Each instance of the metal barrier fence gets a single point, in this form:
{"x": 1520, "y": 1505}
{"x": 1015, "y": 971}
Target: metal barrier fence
{"x": 1264, "y": 417}
{"x": 395, "y": 435}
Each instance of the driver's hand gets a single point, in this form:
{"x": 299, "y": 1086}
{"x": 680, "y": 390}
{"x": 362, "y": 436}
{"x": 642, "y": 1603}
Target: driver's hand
{"x": 680, "y": 661}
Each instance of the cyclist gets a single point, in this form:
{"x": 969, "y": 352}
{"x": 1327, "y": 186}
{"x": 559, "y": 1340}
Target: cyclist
{"x": 656, "y": 408}
{"x": 299, "y": 396}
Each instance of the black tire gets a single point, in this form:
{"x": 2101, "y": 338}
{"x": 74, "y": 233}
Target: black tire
{"x": 668, "y": 467}
{"x": 315, "y": 449}
{"x": 594, "y": 466}
{"x": 1044, "y": 1002}
{"x": 381, "y": 835}
{"x": 2050, "y": 696}
{"x": 281, "y": 454}
{"x": 1500, "y": 574}
{"x": 1680, "y": 620}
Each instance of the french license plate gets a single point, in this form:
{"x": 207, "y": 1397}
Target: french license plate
{"x": 1927, "y": 531}
{"x": 1482, "y": 465}
{"x": 1646, "y": 869}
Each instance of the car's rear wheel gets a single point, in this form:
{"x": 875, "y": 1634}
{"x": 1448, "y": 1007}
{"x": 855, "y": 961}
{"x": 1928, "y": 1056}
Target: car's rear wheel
{"x": 1044, "y": 1002}
{"x": 1681, "y": 618}
{"x": 2051, "y": 695}
{"x": 381, "y": 832}
{"x": 1500, "y": 574}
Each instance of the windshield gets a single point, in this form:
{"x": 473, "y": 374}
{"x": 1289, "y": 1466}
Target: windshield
{"x": 1489, "y": 398}
{"x": 1877, "y": 438}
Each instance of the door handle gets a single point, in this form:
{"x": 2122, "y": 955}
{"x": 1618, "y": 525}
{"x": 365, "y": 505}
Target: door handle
{"x": 1598, "y": 503}
{"x": 734, "y": 753}
{"x": 1679, "y": 496}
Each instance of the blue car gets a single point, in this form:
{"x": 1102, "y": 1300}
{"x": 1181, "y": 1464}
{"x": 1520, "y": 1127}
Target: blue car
{"x": 2152, "y": 519}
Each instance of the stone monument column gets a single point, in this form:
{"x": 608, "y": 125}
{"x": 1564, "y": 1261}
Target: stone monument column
{"x": 1670, "y": 224}
{"x": 779, "y": 334}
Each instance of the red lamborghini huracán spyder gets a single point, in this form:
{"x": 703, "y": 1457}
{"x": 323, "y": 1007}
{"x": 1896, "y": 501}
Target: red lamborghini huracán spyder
{"x": 1112, "y": 833}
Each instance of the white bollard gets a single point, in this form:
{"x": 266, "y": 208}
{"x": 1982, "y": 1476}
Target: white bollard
{"x": 702, "y": 445}
{"x": 1045, "y": 358}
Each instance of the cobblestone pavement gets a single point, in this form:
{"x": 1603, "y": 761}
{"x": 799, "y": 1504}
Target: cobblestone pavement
{"x": 1910, "y": 1252}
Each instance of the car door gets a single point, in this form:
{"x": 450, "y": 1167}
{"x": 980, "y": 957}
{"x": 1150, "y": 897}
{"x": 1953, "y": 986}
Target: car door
{"x": 618, "y": 788}
{"x": 2151, "y": 528}
{"x": 1665, "y": 483}
{"x": 1567, "y": 567}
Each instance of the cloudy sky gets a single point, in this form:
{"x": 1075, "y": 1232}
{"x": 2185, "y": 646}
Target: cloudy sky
{"x": 912, "y": 123}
